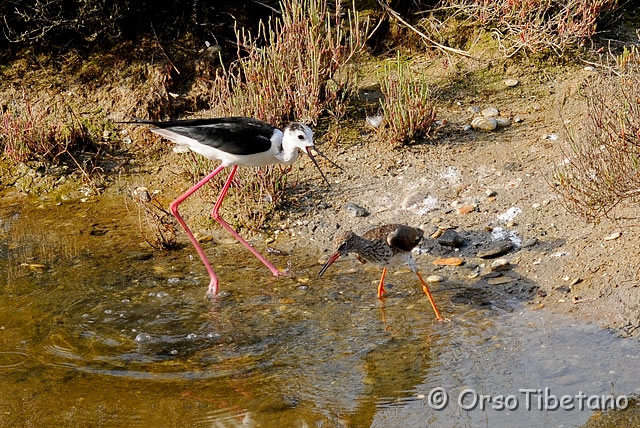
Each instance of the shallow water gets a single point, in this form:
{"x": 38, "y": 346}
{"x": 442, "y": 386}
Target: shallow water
{"x": 96, "y": 330}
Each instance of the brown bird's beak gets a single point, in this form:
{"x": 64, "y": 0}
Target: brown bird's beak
{"x": 318, "y": 166}
{"x": 332, "y": 259}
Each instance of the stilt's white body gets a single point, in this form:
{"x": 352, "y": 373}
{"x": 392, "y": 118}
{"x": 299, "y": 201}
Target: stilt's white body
{"x": 233, "y": 141}
{"x": 283, "y": 148}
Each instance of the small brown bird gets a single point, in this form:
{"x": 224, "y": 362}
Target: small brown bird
{"x": 383, "y": 246}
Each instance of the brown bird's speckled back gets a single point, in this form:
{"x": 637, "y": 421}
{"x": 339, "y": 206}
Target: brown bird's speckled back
{"x": 383, "y": 245}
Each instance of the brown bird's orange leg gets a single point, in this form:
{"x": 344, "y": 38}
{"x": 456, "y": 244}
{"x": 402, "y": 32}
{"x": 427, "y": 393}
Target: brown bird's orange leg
{"x": 425, "y": 288}
{"x": 381, "y": 290}
{"x": 383, "y": 312}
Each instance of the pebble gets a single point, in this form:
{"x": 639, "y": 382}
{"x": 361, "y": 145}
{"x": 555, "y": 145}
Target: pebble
{"x": 484, "y": 123}
{"x": 500, "y": 264}
{"x": 356, "y": 210}
{"x": 491, "y": 275}
{"x": 143, "y": 194}
{"x": 503, "y": 122}
{"x": 612, "y": 237}
{"x": 434, "y": 278}
{"x": 530, "y": 242}
{"x": 449, "y": 261}
{"x": 495, "y": 249}
{"x": 438, "y": 233}
{"x": 465, "y": 209}
{"x": 511, "y": 82}
{"x": 450, "y": 238}
{"x": 490, "y": 112}
{"x": 499, "y": 280}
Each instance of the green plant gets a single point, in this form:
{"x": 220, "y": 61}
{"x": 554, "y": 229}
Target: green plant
{"x": 31, "y": 132}
{"x": 407, "y": 110}
{"x": 295, "y": 67}
{"x": 534, "y": 25}
{"x": 602, "y": 162}
{"x": 298, "y": 66}
{"x": 52, "y": 134}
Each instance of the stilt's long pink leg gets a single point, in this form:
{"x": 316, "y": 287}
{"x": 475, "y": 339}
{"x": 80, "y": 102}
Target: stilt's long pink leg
{"x": 216, "y": 217}
{"x": 213, "y": 283}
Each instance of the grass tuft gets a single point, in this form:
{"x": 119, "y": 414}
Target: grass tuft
{"x": 602, "y": 162}
{"x": 406, "y": 106}
{"x": 534, "y": 25}
{"x": 296, "y": 67}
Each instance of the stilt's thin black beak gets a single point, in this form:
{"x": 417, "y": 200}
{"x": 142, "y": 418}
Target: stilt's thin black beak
{"x": 328, "y": 160}
{"x": 318, "y": 166}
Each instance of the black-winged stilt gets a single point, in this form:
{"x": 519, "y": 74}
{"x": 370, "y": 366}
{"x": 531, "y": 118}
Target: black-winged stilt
{"x": 383, "y": 246}
{"x": 234, "y": 141}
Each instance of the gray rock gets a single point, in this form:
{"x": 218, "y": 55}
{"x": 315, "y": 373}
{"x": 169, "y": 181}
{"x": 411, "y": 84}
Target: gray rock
{"x": 500, "y": 264}
{"x": 495, "y": 249}
{"x": 490, "y": 112}
{"x": 451, "y": 238}
{"x": 356, "y": 210}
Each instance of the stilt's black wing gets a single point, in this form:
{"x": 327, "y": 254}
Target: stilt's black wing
{"x": 235, "y": 135}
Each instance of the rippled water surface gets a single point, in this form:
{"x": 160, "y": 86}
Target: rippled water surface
{"x": 96, "y": 330}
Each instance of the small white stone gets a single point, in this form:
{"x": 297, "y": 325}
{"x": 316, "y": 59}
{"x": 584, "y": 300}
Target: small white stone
{"x": 503, "y": 122}
{"x": 490, "y": 112}
{"x": 613, "y": 236}
{"x": 484, "y": 123}
{"x": 500, "y": 264}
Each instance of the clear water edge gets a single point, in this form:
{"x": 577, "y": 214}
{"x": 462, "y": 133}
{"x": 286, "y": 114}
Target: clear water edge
{"x": 293, "y": 351}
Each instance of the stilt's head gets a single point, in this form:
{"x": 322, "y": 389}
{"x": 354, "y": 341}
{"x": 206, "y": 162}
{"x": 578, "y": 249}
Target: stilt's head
{"x": 299, "y": 136}
{"x": 344, "y": 244}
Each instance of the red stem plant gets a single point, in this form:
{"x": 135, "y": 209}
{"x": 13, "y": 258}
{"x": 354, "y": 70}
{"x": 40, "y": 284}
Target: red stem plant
{"x": 602, "y": 166}
{"x": 536, "y": 25}
{"x": 297, "y": 67}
